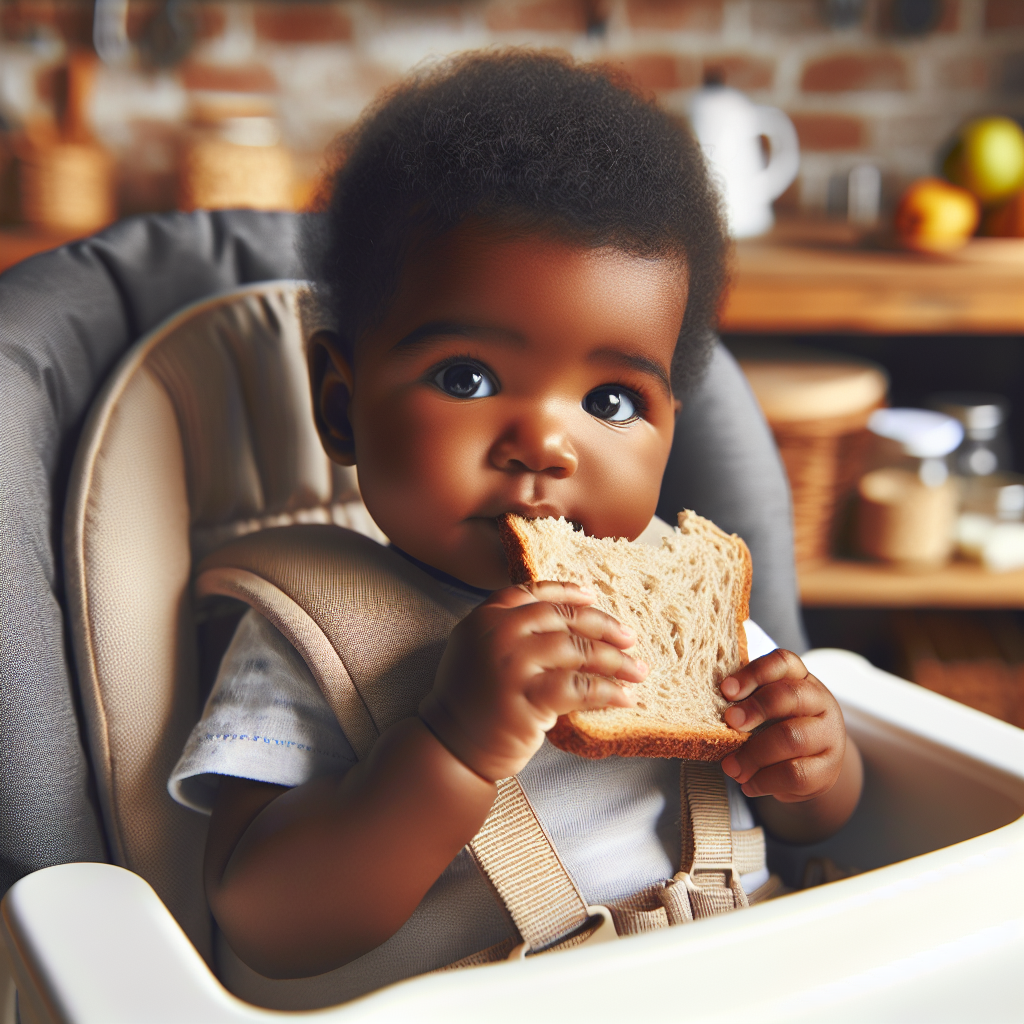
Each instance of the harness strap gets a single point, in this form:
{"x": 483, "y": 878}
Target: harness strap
{"x": 520, "y": 861}
{"x": 708, "y": 874}
{"x": 308, "y": 638}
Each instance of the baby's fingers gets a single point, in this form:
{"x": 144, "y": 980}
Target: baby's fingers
{"x": 778, "y": 664}
{"x": 581, "y": 654}
{"x": 568, "y": 594}
{"x": 791, "y": 781}
{"x": 783, "y": 698}
{"x": 789, "y": 741}
{"x": 560, "y": 691}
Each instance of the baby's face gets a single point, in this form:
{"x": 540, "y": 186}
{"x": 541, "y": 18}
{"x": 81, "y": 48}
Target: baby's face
{"x": 514, "y": 375}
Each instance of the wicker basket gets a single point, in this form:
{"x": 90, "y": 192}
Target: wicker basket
{"x": 67, "y": 186}
{"x": 818, "y": 412}
{"x": 217, "y": 173}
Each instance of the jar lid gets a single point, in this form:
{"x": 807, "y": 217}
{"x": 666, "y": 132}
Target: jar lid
{"x": 922, "y": 433}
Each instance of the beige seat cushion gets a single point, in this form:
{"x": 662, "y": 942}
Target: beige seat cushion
{"x": 204, "y": 433}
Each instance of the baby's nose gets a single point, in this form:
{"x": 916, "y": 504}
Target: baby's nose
{"x": 536, "y": 443}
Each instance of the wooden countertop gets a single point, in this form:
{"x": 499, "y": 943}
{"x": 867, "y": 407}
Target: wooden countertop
{"x": 874, "y": 585}
{"x": 824, "y": 277}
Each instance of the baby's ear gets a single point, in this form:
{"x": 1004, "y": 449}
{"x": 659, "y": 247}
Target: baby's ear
{"x": 330, "y": 377}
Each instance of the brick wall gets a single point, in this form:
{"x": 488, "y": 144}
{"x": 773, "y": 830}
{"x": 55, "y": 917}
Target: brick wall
{"x": 864, "y": 92}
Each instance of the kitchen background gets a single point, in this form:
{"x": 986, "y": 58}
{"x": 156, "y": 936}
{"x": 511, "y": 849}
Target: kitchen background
{"x": 878, "y": 81}
{"x": 142, "y": 125}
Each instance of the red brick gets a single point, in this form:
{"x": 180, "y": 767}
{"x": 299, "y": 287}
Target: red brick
{"x": 302, "y": 23}
{"x": 964, "y": 73}
{"x": 205, "y": 20}
{"x": 413, "y": 15}
{"x": 70, "y": 19}
{"x": 694, "y": 15}
{"x": 741, "y": 71}
{"x": 139, "y": 16}
{"x": 538, "y": 16}
{"x": 886, "y": 22}
{"x": 825, "y": 132}
{"x": 228, "y": 78}
{"x": 786, "y": 16}
{"x": 949, "y": 21}
{"x": 848, "y": 71}
{"x": 789, "y": 201}
{"x": 654, "y": 72}
{"x": 1003, "y": 14}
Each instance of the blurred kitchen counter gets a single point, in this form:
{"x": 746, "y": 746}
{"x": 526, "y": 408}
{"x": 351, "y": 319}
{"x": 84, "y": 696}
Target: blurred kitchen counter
{"x": 849, "y": 584}
{"x": 825, "y": 277}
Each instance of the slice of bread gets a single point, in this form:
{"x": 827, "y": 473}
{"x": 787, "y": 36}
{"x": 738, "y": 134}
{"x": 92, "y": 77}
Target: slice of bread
{"x": 687, "y": 601}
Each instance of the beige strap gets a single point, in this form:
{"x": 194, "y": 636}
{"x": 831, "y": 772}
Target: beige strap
{"x": 708, "y": 871}
{"x": 748, "y": 850}
{"x": 519, "y": 859}
{"x": 308, "y": 639}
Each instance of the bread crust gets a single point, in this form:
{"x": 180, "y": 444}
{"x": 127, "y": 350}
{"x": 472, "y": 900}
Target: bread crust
{"x": 521, "y": 567}
{"x": 571, "y": 735}
{"x": 581, "y": 732}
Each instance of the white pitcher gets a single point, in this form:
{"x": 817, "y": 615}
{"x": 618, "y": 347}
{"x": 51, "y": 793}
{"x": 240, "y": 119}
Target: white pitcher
{"x": 729, "y": 128}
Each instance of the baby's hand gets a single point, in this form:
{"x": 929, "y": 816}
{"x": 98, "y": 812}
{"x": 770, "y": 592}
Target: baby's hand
{"x": 800, "y": 755}
{"x": 522, "y": 658}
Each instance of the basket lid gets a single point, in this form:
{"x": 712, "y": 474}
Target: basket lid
{"x": 796, "y": 391}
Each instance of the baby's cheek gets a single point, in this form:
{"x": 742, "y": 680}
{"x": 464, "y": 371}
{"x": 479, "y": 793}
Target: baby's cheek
{"x": 629, "y": 482}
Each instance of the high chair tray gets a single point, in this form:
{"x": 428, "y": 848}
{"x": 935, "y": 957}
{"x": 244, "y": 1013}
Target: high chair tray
{"x": 932, "y": 930}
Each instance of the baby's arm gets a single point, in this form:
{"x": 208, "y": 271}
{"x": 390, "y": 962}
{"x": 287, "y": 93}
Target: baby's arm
{"x": 304, "y": 880}
{"x": 803, "y": 768}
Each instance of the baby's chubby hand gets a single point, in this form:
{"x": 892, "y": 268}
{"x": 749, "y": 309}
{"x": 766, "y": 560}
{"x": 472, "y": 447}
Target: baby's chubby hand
{"x": 798, "y": 756}
{"x": 522, "y": 658}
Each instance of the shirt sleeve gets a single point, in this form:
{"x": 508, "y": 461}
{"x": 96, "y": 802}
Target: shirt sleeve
{"x": 759, "y": 642}
{"x": 265, "y": 719}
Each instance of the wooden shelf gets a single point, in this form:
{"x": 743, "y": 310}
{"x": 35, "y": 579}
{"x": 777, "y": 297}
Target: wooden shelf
{"x": 874, "y": 585}
{"x": 810, "y": 277}
{"x": 18, "y": 243}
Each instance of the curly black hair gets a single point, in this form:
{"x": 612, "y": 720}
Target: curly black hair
{"x": 527, "y": 141}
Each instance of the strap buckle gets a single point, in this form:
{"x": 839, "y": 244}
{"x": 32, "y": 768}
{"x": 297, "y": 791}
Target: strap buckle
{"x": 604, "y": 931}
{"x": 726, "y": 868}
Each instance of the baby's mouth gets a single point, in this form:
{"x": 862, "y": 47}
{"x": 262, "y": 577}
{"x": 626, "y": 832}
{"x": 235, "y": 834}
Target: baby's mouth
{"x": 574, "y": 523}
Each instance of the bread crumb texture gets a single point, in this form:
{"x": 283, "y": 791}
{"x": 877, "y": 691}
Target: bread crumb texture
{"x": 687, "y": 602}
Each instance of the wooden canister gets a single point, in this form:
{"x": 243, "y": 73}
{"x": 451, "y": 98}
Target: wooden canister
{"x": 900, "y": 519}
{"x": 818, "y": 411}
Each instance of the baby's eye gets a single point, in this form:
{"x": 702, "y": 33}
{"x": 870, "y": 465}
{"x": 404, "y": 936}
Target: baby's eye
{"x": 616, "y": 405}
{"x": 464, "y": 380}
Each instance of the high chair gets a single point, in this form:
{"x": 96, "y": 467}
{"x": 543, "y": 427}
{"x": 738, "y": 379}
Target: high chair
{"x": 202, "y": 433}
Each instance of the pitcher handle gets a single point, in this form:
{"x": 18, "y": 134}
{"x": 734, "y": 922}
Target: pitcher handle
{"x": 784, "y": 151}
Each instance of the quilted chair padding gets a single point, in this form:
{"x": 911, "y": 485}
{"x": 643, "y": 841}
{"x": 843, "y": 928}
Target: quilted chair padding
{"x": 65, "y": 319}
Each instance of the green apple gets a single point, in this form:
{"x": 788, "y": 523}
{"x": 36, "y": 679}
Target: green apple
{"x": 988, "y": 159}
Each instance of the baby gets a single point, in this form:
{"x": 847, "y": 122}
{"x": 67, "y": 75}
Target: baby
{"x": 523, "y": 260}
